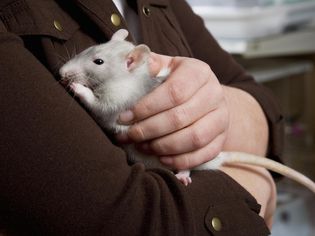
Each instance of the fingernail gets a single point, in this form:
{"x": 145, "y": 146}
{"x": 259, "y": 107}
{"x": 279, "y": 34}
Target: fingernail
{"x": 166, "y": 160}
{"x": 126, "y": 116}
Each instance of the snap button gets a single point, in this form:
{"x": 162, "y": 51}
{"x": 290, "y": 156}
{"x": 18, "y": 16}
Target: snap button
{"x": 115, "y": 19}
{"x": 146, "y": 11}
{"x": 57, "y": 25}
{"x": 216, "y": 224}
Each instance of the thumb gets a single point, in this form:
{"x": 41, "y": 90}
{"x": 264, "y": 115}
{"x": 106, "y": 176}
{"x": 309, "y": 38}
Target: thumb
{"x": 157, "y": 62}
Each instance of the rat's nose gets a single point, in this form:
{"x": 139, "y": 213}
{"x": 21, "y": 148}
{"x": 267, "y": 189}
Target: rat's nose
{"x": 65, "y": 71}
{"x": 67, "y": 75}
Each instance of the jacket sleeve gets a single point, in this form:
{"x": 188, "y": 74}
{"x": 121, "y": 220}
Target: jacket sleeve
{"x": 60, "y": 175}
{"x": 229, "y": 72}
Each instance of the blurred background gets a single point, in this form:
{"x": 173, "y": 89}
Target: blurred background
{"x": 275, "y": 41}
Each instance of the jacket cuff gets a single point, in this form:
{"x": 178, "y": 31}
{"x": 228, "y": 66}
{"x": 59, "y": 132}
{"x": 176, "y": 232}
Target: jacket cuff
{"x": 223, "y": 207}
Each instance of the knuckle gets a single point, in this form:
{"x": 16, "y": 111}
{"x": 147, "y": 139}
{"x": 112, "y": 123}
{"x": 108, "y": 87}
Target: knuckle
{"x": 215, "y": 151}
{"x": 136, "y": 133}
{"x": 205, "y": 68}
{"x": 176, "y": 93}
{"x": 178, "y": 118}
{"x": 218, "y": 90}
{"x": 159, "y": 147}
{"x": 198, "y": 139}
{"x": 205, "y": 72}
{"x": 142, "y": 108}
{"x": 222, "y": 120}
{"x": 215, "y": 95}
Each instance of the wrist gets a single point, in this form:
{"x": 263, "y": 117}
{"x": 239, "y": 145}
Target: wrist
{"x": 248, "y": 128}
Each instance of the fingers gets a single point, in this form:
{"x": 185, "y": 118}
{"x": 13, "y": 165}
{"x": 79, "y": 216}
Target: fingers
{"x": 180, "y": 86}
{"x": 192, "y": 159}
{"x": 177, "y": 118}
{"x": 193, "y": 145}
{"x": 193, "y": 137}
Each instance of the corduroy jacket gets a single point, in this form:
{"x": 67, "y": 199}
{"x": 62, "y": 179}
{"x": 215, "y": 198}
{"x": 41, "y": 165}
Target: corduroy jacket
{"x": 59, "y": 172}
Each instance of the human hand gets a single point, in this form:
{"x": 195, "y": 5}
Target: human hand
{"x": 185, "y": 120}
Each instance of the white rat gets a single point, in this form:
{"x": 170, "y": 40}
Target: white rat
{"x": 110, "y": 78}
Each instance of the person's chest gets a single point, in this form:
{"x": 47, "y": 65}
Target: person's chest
{"x": 54, "y": 31}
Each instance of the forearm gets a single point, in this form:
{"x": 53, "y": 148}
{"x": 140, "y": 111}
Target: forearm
{"x": 248, "y": 132}
{"x": 248, "y": 129}
{"x": 258, "y": 182}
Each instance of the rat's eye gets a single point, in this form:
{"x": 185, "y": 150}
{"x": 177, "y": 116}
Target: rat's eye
{"x": 98, "y": 61}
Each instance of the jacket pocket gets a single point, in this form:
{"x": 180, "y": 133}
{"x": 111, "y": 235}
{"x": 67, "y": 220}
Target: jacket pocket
{"x": 24, "y": 18}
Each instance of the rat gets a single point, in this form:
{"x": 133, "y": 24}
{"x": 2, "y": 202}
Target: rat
{"x": 111, "y": 77}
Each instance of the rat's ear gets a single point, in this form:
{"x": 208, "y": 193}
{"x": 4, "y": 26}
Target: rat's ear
{"x": 120, "y": 35}
{"x": 138, "y": 56}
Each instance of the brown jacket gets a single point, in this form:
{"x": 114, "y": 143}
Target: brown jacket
{"x": 60, "y": 174}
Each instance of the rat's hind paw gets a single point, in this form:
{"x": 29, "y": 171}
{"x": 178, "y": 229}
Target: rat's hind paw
{"x": 184, "y": 177}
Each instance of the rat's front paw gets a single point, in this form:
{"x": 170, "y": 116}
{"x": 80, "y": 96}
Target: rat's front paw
{"x": 85, "y": 94}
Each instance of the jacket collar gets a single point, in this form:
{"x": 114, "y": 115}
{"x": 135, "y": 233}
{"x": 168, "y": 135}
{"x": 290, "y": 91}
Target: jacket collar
{"x": 100, "y": 12}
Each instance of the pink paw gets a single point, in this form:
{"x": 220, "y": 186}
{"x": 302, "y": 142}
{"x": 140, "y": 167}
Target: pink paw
{"x": 184, "y": 178}
{"x": 82, "y": 92}
{"x": 78, "y": 89}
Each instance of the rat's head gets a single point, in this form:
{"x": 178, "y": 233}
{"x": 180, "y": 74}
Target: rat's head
{"x": 110, "y": 62}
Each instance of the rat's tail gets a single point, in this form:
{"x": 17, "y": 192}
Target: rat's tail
{"x": 244, "y": 158}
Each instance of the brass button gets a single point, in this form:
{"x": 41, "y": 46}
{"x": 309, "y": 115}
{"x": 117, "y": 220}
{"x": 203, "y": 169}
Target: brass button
{"x": 57, "y": 25}
{"x": 115, "y": 19}
{"x": 146, "y": 11}
{"x": 216, "y": 224}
